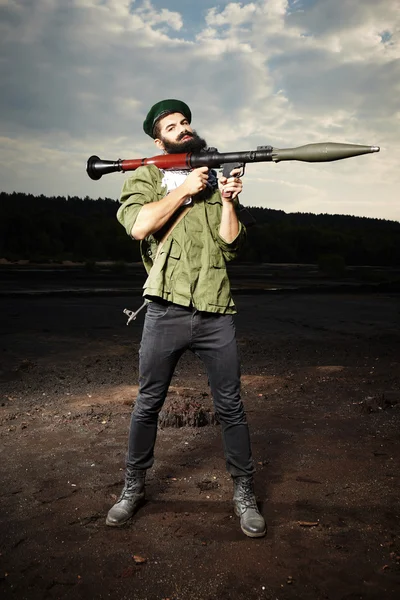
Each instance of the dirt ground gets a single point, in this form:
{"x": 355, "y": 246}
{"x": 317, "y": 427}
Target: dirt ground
{"x": 321, "y": 387}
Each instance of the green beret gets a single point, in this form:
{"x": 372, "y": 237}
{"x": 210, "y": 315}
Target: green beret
{"x": 163, "y": 108}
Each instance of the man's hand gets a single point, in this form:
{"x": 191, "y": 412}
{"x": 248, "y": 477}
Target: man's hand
{"x": 195, "y": 182}
{"x": 231, "y": 187}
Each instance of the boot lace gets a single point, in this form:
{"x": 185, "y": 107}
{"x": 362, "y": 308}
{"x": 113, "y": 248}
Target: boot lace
{"x": 132, "y": 486}
{"x": 246, "y": 496}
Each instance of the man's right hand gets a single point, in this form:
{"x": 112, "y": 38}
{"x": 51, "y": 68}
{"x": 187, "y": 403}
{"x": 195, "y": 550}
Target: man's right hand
{"x": 195, "y": 182}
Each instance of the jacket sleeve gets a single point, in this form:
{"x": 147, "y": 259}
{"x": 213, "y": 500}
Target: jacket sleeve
{"x": 138, "y": 189}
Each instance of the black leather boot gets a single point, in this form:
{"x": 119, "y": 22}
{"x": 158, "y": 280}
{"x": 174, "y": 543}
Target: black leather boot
{"x": 251, "y": 521}
{"x": 130, "y": 499}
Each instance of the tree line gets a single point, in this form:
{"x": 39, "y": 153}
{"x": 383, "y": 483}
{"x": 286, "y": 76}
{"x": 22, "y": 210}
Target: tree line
{"x": 42, "y": 228}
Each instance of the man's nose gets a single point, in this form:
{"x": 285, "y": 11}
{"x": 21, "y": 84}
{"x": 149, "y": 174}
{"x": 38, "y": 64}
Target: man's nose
{"x": 183, "y": 128}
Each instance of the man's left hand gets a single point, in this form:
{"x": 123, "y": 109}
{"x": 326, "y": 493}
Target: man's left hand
{"x": 231, "y": 187}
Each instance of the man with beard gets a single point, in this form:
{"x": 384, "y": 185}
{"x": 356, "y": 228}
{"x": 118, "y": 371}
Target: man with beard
{"x": 189, "y": 303}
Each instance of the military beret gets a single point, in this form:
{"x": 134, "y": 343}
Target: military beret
{"x": 163, "y": 108}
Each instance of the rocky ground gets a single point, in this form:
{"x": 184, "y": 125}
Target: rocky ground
{"x": 321, "y": 386}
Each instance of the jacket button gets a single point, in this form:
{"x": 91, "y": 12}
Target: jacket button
{"x": 149, "y": 252}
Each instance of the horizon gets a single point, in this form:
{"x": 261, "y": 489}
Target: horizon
{"x": 249, "y": 207}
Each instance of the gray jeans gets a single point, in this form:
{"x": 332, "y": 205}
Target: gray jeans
{"x": 168, "y": 331}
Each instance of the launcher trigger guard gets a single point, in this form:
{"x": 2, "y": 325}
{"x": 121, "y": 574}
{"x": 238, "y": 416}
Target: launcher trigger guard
{"x": 227, "y": 168}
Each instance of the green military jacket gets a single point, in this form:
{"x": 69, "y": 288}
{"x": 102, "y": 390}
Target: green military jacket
{"x": 190, "y": 269}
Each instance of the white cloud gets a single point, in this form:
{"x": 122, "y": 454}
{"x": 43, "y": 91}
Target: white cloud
{"x": 165, "y": 16}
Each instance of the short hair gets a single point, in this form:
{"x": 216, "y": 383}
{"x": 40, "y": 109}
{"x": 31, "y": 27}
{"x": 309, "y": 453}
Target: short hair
{"x": 157, "y": 128}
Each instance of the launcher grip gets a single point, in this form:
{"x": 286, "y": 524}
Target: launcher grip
{"x": 227, "y": 169}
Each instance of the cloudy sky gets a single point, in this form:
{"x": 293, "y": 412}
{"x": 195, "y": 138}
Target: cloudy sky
{"x": 78, "y": 77}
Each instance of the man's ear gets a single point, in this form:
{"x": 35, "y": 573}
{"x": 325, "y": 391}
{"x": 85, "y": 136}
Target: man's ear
{"x": 159, "y": 144}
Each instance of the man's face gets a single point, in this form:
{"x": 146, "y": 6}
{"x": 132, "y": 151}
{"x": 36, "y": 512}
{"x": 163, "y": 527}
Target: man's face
{"x": 176, "y": 136}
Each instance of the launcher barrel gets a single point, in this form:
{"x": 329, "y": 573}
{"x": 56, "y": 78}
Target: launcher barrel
{"x": 320, "y": 152}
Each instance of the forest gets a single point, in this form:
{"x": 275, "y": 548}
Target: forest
{"x": 44, "y": 229}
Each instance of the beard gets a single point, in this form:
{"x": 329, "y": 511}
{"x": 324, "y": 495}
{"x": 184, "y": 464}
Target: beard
{"x": 195, "y": 144}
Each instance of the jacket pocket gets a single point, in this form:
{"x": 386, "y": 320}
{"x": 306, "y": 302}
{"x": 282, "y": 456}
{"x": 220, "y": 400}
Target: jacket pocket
{"x": 216, "y": 258}
{"x": 161, "y": 274}
{"x": 218, "y": 280}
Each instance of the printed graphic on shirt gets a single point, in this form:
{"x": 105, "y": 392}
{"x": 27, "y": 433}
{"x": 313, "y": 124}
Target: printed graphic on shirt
{"x": 173, "y": 179}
